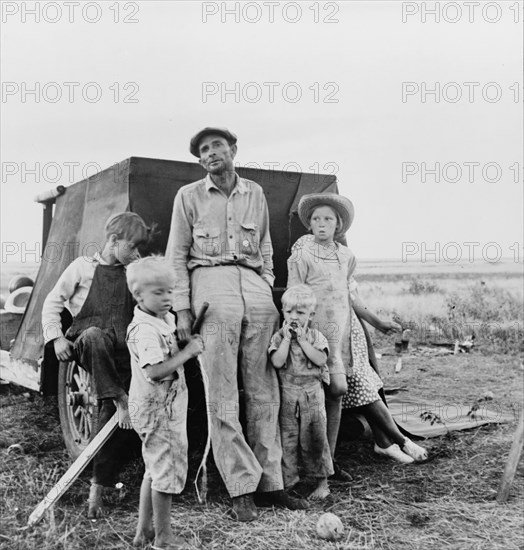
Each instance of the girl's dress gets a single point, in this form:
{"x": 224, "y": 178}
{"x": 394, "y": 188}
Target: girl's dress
{"x": 329, "y": 272}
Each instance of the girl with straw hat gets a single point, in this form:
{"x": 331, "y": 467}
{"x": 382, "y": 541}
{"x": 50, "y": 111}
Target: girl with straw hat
{"x": 321, "y": 262}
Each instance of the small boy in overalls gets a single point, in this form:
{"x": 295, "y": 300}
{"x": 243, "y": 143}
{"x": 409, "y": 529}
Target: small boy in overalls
{"x": 300, "y": 354}
{"x": 96, "y": 292}
{"x": 158, "y": 397}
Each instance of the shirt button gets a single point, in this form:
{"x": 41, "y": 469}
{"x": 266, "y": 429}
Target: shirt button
{"x": 230, "y": 236}
{"x": 229, "y": 219}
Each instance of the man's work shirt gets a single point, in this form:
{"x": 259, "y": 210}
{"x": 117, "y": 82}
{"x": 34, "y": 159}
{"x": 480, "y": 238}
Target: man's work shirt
{"x": 210, "y": 229}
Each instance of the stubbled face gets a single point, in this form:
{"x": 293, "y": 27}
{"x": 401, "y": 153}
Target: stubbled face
{"x": 156, "y": 298}
{"x": 298, "y": 315}
{"x": 125, "y": 251}
{"x": 323, "y": 224}
{"x": 216, "y": 155}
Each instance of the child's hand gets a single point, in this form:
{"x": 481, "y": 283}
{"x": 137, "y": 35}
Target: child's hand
{"x": 300, "y": 333}
{"x": 288, "y": 331}
{"x": 63, "y": 348}
{"x": 389, "y": 327}
{"x": 173, "y": 347}
{"x": 195, "y": 345}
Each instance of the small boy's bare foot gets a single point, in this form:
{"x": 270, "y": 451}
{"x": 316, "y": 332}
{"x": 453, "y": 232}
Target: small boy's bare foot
{"x": 94, "y": 501}
{"x": 122, "y": 410}
{"x": 172, "y": 543}
{"x": 321, "y": 492}
{"x": 143, "y": 537}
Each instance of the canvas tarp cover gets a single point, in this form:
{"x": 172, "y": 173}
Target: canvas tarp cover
{"x": 77, "y": 223}
{"x": 148, "y": 187}
{"x": 408, "y": 413}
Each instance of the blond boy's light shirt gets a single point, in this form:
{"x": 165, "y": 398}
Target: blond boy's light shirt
{"x": 150, "y": 340}
{"x": 210, "y": 229}
{"x": 71, "y": 289}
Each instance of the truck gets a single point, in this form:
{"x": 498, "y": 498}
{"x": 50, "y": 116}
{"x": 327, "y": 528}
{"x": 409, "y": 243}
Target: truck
{"x": 72, "y": 221}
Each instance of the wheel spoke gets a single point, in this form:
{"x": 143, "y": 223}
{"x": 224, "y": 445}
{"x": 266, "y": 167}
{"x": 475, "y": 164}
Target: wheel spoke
{"x": 86, "y": 428}
{"x": 83, "y": 375}
{"x": 80, "y": 405}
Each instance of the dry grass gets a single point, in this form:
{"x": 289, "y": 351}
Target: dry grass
{"x": 388, "y": 296}
{"x": 446, "y": 307}
{"x": 449, "y": 502}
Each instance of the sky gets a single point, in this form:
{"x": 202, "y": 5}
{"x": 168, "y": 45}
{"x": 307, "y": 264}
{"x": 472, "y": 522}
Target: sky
{"x": 418, "y": 112}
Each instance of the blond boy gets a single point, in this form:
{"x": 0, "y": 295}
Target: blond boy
{"x": 158, "y": 397}
{"x": 300, "y": 354}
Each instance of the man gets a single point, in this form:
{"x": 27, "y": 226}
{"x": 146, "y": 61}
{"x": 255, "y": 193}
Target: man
{"x": 220, "y": 246}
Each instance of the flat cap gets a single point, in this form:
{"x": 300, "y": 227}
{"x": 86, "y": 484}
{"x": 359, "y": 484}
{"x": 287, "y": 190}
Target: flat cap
{"x": 195, "y": 140}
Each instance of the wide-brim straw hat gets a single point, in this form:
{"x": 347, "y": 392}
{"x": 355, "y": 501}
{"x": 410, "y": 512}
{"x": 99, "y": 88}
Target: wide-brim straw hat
{"x": 342, "y": 205}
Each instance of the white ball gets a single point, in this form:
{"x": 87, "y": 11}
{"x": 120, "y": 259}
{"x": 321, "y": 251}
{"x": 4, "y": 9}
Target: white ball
{"x": 329, "y": 527}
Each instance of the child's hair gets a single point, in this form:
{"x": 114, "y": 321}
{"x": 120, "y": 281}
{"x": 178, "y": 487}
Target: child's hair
{"x": 299, "y": 296}
{"x": 337, "y": 216}
{"x": 129, "y": 226}
{"x": 148, "y": 271}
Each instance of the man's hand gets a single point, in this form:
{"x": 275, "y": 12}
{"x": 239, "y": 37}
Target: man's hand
{"x": 195, "y": 345}
{"x": 268, "y": 281}
{"x": 63, "y": 348}
{"x": 184, "y": 320}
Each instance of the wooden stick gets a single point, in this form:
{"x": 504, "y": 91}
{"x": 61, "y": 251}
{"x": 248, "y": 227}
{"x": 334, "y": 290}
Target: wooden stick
{"x": 197, "y": 325}
{"x": 74, "y": 471}
{"x": 512, "y": 463}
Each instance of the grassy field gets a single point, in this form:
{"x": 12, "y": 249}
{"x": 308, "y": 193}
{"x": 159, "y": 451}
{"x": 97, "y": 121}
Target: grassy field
{"x": 447, "y": 502}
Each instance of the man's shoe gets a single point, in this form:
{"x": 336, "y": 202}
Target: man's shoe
{"x": 340, "y": 474}
{"x": 283, "y": 500}
{"x": 244, "y": 508}
{"x": 415, "y": 451}
{"x": 394, "y": 452}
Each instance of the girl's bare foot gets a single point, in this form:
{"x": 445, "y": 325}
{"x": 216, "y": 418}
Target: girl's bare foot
{"x": 122, "y": 410}
{"x": 94, "y": 501}
{"x": 321, "y": 492}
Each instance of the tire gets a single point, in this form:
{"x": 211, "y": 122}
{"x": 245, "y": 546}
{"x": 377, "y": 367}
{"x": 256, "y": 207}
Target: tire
{"x": 76, "y": 407}
{"x": 18, "y": 281}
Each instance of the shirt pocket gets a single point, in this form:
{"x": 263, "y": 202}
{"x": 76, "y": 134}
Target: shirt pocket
{"x": 249, "y": 238}
{"x": 207, "y": 239}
